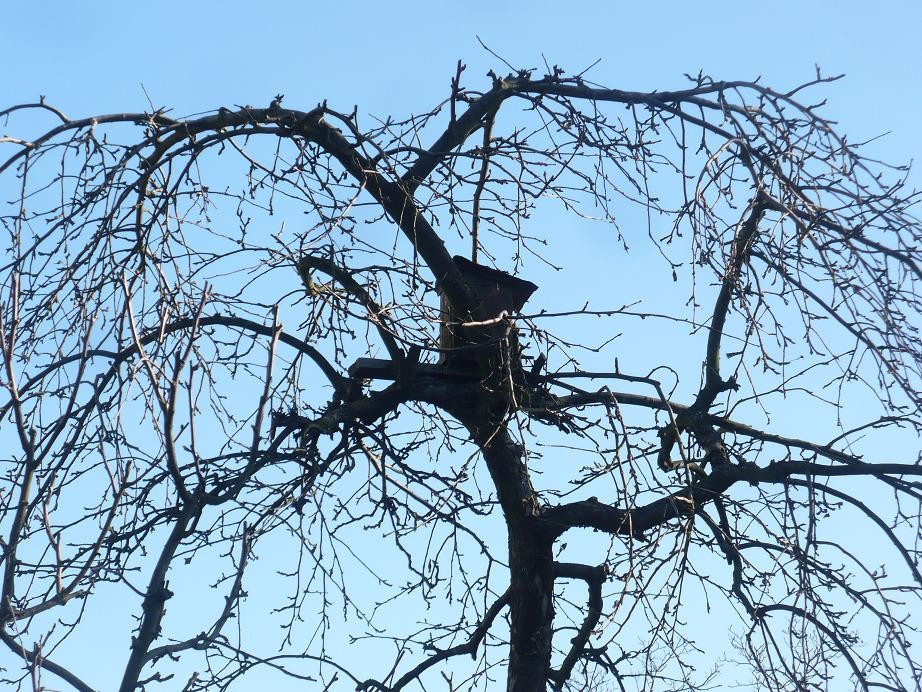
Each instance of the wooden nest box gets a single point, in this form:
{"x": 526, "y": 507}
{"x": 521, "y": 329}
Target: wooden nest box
{"x": 494, "y": 291}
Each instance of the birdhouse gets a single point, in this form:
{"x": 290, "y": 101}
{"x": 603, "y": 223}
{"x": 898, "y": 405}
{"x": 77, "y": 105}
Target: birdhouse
{"x": 494, "y": 292}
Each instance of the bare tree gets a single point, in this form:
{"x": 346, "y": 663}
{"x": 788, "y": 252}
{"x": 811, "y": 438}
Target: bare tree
{"x": 239, "y": 359}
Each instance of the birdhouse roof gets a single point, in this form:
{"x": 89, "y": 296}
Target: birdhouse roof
{"x": 519, "y": 289}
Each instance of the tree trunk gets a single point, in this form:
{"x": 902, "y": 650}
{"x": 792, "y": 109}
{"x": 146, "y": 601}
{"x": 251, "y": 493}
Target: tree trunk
{"x": 531, "y": 606}
{"x": 531, "y": 559}
{"x": 531, "y": 565}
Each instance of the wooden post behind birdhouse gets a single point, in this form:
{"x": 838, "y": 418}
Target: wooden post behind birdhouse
{"x": 494, "y": 292}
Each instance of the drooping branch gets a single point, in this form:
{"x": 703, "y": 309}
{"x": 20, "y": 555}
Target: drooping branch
{"x": 394, "y": 197}
{"x": 339, "y": 382}
{"x": 844, "y": 648}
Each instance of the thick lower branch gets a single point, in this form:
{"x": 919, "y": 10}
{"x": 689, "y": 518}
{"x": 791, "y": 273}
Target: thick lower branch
{"x": 607, "y": 397}
{"x": 635, "y": 522}
{"x": 594, "y": 578}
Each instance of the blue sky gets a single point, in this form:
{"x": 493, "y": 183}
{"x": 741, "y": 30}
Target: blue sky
{"x": 398, "y": 58}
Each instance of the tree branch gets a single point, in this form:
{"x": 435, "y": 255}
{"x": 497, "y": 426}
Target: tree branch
{"x": 377, "y": 313}
{"x": 44, "y": 663}
{"x": 594, "y": 578}
{"x": 469, "y": 647}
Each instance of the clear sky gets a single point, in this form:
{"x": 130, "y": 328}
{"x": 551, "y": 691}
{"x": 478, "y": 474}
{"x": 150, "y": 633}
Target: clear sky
{"x": 398, "y": 58}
